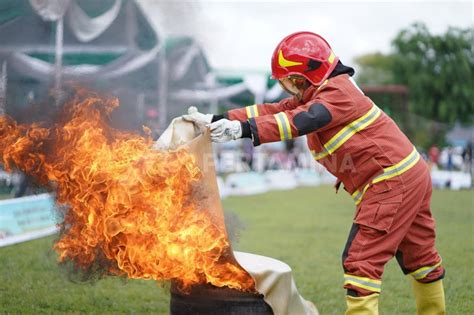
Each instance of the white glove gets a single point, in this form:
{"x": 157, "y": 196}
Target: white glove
{"x": 197, "y": 117}
{"x": 225, "y": 130}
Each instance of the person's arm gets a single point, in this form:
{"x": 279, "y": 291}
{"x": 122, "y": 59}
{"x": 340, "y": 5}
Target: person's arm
{"x": 316, "y": 115}
{"x": 242, "y": 114}
{"x": 258, "y": 110}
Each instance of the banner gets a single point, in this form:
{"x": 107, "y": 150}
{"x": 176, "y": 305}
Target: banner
{"x": 26, "y": 218}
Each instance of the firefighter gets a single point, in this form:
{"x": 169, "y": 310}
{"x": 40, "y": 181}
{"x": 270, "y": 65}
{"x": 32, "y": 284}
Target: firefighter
{"x": 363, "y": 147}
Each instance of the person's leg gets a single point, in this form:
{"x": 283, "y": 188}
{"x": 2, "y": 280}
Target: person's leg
{"x": 418, "y": 257}
{"x": 363, "y": 262}
{"x": 367, "y": 251}
{"x": 378, "y": 230}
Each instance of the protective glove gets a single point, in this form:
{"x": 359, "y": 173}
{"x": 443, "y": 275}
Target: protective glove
{"x": 196, "y": 117}
{"x": 225, "y": 130}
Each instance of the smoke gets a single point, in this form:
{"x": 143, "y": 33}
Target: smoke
{"x": 234, "y": 226}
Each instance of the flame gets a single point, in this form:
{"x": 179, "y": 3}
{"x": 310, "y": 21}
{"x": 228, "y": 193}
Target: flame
{"x": 126, "y": 202}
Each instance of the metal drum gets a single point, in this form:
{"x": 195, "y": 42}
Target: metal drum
{"x": 211, "y": 300}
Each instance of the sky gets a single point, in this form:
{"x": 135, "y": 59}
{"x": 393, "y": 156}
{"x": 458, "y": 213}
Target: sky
{"x": 241, "y": 35}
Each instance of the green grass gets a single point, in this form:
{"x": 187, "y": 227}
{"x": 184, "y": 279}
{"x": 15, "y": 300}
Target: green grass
{"x": 306, "y": 228}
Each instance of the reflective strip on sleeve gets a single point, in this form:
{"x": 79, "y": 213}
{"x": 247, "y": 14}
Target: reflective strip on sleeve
{"x": 347, "y": 132}
{"x": 423, "y": 271}
{"x": 363, "y": 282}
{"x": 252, "y": 111}
{"x": 389, "y": 172}
{"x": 283, "y": 126}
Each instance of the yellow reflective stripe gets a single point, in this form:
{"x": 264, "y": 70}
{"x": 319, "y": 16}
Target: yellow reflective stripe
{"x": 357, "y": 195}
{"x": 252, "y": 111}
{"x": 361, "y": 285}
{"x": 319, "y": 155}
{"x": 322, "y": 84}
{"x": 284, "y": 123}
{"x": 423, "y": 271}
{"x": 288, "y": 126}
{"x": 280, "y": 127}
{"x": 399, "y": 168}
{"x": 284, "y": 126}
{"x": 255, "y": 110}
{"x": 390, "y": 172}
{"x": 348, "y": 131}
{"x": 363, "y": 282}
{"x": 331, "y": 57}
{"x": 285, "y": 62}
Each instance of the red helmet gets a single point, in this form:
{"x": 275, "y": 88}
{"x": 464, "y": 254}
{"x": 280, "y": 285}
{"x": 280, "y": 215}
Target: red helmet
{"x": 305, "y": 54}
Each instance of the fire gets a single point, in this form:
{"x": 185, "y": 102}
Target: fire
{"x": 129, "y": 205}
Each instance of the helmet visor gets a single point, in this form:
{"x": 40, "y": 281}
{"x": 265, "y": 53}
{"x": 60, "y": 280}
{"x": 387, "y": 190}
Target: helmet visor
{"x": 292, "y": 84}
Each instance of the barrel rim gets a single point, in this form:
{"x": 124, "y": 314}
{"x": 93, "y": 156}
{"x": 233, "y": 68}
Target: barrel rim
{"x": 209, "y": 291}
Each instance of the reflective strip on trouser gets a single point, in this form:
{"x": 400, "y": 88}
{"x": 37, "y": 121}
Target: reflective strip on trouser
{"x": 423, "y": 271}
{"x": 390, "y": 172}
{"x": 283, "y": 126}
{"x": 363, "y": 282}
{"x": 347, "y": 132}
{"x": 252, "y": 111}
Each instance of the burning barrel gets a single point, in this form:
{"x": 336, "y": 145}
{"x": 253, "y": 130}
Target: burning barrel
{"x": 211, "y": 300}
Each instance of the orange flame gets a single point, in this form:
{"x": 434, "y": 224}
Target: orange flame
{"x": 127, "y": 203}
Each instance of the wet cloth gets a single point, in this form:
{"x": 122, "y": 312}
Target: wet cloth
{"x": 273, "y": 278}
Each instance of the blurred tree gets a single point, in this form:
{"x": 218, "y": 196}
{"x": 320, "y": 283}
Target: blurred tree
{"x": 376, "y": 69}
{"x": 438, "y": 70}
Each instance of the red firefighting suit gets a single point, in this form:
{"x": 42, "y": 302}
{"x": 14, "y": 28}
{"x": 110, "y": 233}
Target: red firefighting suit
{"x": 378, "y": 166}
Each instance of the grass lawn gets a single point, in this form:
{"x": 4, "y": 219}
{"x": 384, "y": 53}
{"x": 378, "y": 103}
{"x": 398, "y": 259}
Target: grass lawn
{"x": 306, "y": 228}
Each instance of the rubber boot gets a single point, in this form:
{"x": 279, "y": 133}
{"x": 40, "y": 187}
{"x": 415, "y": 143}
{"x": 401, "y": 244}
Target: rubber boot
{"x": 429, "y": 298}
{"x": 364, "y": 305}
